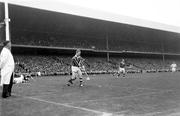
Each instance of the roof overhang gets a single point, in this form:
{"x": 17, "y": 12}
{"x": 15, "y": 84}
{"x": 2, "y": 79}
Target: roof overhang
{"x": 57, "y": 6}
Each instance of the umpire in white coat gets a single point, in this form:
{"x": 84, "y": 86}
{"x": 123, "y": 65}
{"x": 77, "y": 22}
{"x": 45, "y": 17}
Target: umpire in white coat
{"x": 7, "y": 66}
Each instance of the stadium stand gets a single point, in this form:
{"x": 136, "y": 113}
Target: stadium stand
{"x": 48, "y": 30}
{"x": 55, "y": 65}
{"x": 61, "y": 40}
{"x": 135, "y": 46}
{"x": 75, "y": 41}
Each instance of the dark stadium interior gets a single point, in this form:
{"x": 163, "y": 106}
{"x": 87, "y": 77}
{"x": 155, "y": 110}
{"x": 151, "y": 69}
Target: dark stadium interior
{"x": 30, "y": 26}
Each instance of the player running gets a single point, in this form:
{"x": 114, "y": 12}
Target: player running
{"x": 121, "y": 69}
{"x": 173, "y": 67}
{"x": 76, "y": 71}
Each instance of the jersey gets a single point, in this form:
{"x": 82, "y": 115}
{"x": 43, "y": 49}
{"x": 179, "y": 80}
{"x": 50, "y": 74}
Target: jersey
{"x": 76, "y": 61}
{"x": 122, "y": 65}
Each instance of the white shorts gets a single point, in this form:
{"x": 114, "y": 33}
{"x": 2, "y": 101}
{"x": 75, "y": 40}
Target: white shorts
{"x": 121, "y": 70}
{"x": 76, "y": 72}
{"x": 19, "y": 79}
{"x": 173, "y": 69}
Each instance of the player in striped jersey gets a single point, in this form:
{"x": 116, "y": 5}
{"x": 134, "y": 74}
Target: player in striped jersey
{"x": 75, "y": 67}
{"x": 121, "y": 68}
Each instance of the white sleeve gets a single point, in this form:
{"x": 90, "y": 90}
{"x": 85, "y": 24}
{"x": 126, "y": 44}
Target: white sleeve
{"x": 3, "y": 58}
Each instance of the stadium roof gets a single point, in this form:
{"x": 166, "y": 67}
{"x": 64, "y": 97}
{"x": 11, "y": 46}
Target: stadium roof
{"x": 64, "y": 7}
{"x": 30, "y": 19}
{"x": 37, "y": 20}
{"x": 44, "y": 21}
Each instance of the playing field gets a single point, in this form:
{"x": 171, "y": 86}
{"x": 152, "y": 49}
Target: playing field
{"x": 155, "y": 94}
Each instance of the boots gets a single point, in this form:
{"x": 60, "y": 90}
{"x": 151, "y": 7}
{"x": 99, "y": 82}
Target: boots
{"x": 5, "y": 92}
{"x": 7, "y": 88}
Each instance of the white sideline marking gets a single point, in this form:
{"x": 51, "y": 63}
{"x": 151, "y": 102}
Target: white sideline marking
{"x": 161, "y": 112}
{"x": 125, "y": 97}
{"x": 66, "y": 105}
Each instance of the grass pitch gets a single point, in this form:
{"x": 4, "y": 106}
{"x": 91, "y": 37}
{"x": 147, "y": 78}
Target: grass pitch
{"x": 153, "y": 94}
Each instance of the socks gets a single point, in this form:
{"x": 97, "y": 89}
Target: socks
{"x": 81, "y": 81}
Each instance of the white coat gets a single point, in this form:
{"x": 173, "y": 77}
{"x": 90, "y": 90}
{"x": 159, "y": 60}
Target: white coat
{"x": 7, "y": 66}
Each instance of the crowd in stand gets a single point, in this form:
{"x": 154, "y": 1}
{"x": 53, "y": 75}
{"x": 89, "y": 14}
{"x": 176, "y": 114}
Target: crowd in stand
{"x": 95, "y": 43}
{"x": 135, "y": 46}
{"x": 52, "y": 65}
{"x": 60, "y": 41}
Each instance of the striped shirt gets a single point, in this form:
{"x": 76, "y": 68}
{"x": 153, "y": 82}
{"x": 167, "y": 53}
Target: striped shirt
{"x": 122, "y": 65}
{"x": 76, "y": 61}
